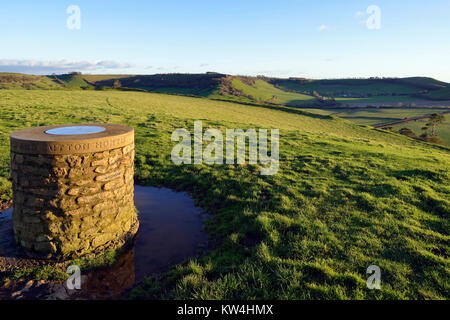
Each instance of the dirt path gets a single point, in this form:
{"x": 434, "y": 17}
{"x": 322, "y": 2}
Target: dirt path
{"x": 406, "y": 120}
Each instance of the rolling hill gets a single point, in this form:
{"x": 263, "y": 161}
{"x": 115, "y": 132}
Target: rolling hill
{"x": 70, "y": 80}
{"x": 441, "y": 94}
{"x": 25, "y": 81}
{"x": 244, "y": 89}
{"x": 361, "y": 88}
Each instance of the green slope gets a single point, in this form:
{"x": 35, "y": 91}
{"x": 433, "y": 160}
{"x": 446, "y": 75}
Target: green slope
{"x": 365, "y": 90}
{"x": 71, "y": 80}
{"x": 179, "y": 83}
{"x": 442, "y": 94}
{"x": 423, "y": 83}
{"x": 257, "y": 90}
{"x": 345, "y": 197}
{"x": 94, "y": 78}
{"x": 24, "y": 81}
{"x": 291, "y": 92}
{"x": 211, "y": 85}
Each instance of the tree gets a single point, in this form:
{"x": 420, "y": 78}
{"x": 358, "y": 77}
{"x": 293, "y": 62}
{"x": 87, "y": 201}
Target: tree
{"x": 433, "y": 139}
{"x": 407, "y": 132}
{"x": 433, "y": 121}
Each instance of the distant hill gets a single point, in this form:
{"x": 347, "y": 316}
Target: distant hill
{"x": 25, "y": 81}
{"x": 244, "y": 89}
{"x": 441, "y": 94}
{"x": 250, "y": 89}
{"x": 290, "y": 92}
{"x": 196, "y": 84}
{"x": 70, "y": 80}
{"x": 361, "y": 88}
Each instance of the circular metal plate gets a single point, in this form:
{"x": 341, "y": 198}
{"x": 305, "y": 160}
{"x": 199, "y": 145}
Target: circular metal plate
{"x": 67, "y": 131}
{"x": 71, "y": 138}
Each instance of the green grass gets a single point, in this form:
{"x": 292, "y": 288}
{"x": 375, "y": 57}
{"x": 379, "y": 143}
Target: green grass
{"x": 442, "y": 130}
{"x": 35, "y": 273}
{"x": 405, "y": 86}
{"x": 24, "y": 81}
{"x": 70, "y": 80}
{"x": 46, "y": 272}
{"x": 373, "y": 116}
{"x": 346, "y": 197}
{"x": 367, "y": 91}
{"x": 382, "y": 100}
{"x": 424, "y": 83}
{"x": 247, "y": 89}
{"x": 93, "y": 78}
{"x": 442, "y": 94}
{"x": 262, "y": 91}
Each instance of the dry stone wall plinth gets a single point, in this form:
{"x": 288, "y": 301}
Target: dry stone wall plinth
{"x": 73, "y": 189}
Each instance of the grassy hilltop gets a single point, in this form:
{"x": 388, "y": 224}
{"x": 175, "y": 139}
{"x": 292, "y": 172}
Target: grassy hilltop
{"x": 345, "y": 197}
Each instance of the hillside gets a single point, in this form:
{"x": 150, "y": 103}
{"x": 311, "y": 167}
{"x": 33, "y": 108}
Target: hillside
{"x": 378, "y": 116}
{"x": 94, "y": 78}
{"x": 248, "y": 89}
{"x": 187, "y": 84}
{"x": 290, "y": 92}
{"x": 70, "y": 80}
{"x": 361, "y": 88}
{"x": 441, "y": 94}
{"x": 24, "y": 81}
{"x": 345, "y": 197}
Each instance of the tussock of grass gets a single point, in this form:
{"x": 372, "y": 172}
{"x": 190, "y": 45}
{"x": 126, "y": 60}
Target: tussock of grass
{"x": 37, "y": 273}
{"x": 105, "y": 260}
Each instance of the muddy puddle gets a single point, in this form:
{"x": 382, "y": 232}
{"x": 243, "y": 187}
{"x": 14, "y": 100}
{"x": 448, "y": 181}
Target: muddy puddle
{"x": 170, "y": 231}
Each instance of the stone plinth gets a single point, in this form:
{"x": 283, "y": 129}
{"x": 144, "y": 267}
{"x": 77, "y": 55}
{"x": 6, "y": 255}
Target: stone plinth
{"x": 72, "y": 192}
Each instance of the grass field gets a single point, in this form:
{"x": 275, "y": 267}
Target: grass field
{"x": 442, "y": 94}
{"x": 346, "y": 197}
{"x": 362, "y": 92}
{"x": 69, "y": 80}
{"x": 443, "y": 130}
{"x": 374, "y": 116}
{"x": 93, "y": 78}
{"x": 262, "y": 91}
{"x": 363, "y": 86}
{"x": 25, "y": 81}
{"x": 370, "y": 91}
{"x": 382, "y": 100}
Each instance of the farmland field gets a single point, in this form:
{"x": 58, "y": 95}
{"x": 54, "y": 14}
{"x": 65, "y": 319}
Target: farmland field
{"x": 375, "y": 116}
{"x": 345, "y": 197}
{"x": 400, "y": 86}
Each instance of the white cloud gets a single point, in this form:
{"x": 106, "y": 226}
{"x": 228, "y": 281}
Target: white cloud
{"x": 359, "y": 14}
{"x": 46, "y": 67}
{"x": 323, "y": 28}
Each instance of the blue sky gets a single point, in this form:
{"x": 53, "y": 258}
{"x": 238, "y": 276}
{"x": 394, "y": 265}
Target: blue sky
{"x": 315, "y": 39}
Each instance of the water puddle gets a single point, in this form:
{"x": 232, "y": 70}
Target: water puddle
{"x": 170, "y": 231}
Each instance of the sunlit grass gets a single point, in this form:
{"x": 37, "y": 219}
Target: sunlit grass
{"x": 345, "y": 197}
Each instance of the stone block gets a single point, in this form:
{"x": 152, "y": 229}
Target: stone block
{"x": 110, "y": 176}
